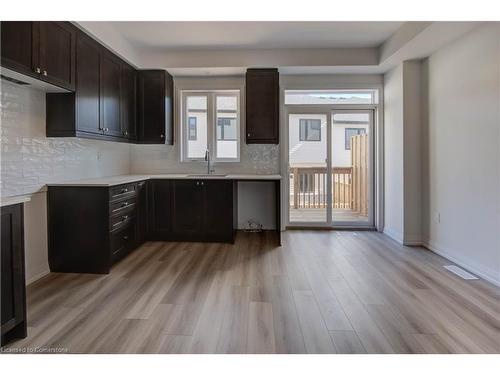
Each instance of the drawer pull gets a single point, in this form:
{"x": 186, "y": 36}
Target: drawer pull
{"x": 122, "y": 206}
{"x": 124, "y": 218}
{"x": 125, "y": 237}
{"x": 123, "y": 191}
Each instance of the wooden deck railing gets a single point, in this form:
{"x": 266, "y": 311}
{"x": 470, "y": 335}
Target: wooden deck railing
{"x": 308, "y": 187}
{"x": 349, "y": 184}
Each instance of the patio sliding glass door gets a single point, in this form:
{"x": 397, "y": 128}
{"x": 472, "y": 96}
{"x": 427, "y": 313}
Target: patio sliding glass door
{"x": 330, "y": 167}
{"x": 309, "y": 178}
{"x": 352, "y": 182}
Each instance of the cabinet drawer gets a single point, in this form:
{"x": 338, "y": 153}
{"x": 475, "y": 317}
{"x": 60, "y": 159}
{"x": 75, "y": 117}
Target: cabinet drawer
{"x": 120, "y": 221}
{"x": 122, "y": 241}
{"x": 122, "y": 191}
{"x": 122, "y": 207}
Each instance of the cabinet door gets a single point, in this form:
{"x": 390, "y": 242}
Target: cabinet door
{"x": 262, "y": 106}
{"x": 142, "y": 212}
{"x": 17, "y": 47}
{"x": 87, "y": 85}
{"x": 128, "y": 102}
{"x": 151, "y": 106}
{"x": 218, "y": 216}
{"x": 110, "y": 77}
{"x": 187, "y": 209}
{"x": 13, "y": 283}
{"x": 159, "y": 209}
{"x": 57, "y": 46}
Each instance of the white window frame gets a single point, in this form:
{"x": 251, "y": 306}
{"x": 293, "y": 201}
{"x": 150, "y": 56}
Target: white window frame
{"x": 211, "y": 123}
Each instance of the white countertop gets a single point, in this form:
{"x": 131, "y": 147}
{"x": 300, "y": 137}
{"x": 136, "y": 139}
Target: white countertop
{"x": 125, "y": 179}
{"x": 8, "y": 201}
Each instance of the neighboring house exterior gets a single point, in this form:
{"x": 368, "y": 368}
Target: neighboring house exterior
{"x": 196, "y": 131}
{"x": 307, "y": 138}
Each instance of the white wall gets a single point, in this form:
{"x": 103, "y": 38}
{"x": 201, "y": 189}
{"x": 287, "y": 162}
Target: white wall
{"x": 393, "y": 154}
{"x": 462, "y": 148}
{"x": 403, "y": 177}
{"x": 29, "y": 160}
{"x": 412, "y": 160}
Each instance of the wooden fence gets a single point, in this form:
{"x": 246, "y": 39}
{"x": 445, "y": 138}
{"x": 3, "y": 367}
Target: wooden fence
{"x": 349, "y": 184}
{"x": 360, "y": 183}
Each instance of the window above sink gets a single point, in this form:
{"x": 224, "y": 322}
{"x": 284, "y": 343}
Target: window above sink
{"x": 210, "y": 120}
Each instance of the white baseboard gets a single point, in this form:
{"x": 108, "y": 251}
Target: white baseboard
{"x": 396, "y": 236}
{"x": 38, "y": 276}
{"x": 484, "y": 274}
{"x": 412, "y": 240}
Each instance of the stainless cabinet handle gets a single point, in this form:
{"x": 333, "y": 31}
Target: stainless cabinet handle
{"x": 124, "y": 217}
{"x": 248, "y": 134}
{"x": 125, "y": 237}
{"x": 125, "y": 204}
{"x": 202, "y": 183}
{"x": 123, "y": 191}
{"x": 38, "y": 70}
{"x": 125, "y": 133}
{"x": 45, "y": 73}
{"x": 162, "y": 136}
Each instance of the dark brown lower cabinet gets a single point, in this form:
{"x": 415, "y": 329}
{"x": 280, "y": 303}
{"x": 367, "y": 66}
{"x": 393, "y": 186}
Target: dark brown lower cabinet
{"x": 142, "y": 211}
{"x": 187, "y": 209}
{"x": 159, "y": 214}
{"x": 91, "y": 228}
{"x": 13, "y": 286}
{"x": 192, "y": 210}
{"x": 203, "y": 210}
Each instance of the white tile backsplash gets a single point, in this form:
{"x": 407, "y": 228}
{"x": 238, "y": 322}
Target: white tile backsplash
{"x": 254, "y": 159}
{"x": 30, "y": 160}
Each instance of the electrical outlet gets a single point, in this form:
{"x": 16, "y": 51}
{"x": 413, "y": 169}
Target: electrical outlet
{"x": 437, "y": 217}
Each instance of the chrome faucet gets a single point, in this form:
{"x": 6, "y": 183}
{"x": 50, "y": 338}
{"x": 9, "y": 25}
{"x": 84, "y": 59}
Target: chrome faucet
{"x": 207, "y": 159}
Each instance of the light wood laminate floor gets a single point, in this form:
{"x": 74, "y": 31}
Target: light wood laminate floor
{"x": 321, "y": 292}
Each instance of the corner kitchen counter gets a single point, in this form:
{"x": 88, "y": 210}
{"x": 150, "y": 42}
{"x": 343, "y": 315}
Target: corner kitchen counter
{"x": 125, "y": 179}
{"x": 8, "y": 201}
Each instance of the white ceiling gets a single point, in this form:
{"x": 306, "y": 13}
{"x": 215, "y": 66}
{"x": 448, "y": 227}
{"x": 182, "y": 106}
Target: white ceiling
{"x": 254, "y": 35}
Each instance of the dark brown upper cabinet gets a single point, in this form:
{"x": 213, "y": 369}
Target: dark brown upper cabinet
{"x": 155, "y": 109}
{"x": 262, "y": 106}
{"x": 43, "y": 50}
{"x": 88, "y": 61}
{"x": 128, "y": 102}
{"x": 107, "y": 98}
{"x": 56, "y": 53}
{"x": 78, "y": 114}
{"x": 17, "y": 47}
{"x": 110, "y": 93}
